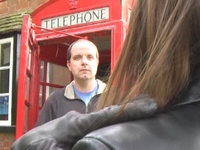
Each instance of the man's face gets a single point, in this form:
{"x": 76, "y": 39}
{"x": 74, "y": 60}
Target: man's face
{"x": 83, "y": 62}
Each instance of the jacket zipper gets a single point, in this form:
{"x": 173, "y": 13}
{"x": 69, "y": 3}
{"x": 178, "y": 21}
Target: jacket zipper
{"x": 86, "y": 109}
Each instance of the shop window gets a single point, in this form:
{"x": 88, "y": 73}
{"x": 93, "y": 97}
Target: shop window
{"x": 6, "y": 71}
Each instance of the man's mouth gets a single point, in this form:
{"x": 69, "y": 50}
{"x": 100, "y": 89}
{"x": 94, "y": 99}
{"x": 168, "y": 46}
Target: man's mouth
{"x": 84, "y": 70}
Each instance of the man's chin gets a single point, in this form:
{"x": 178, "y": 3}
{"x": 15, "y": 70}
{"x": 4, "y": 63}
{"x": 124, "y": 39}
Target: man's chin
{"x": 85, "y": 77}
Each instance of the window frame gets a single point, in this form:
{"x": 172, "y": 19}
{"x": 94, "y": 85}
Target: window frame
{"x": 11, "y": 70}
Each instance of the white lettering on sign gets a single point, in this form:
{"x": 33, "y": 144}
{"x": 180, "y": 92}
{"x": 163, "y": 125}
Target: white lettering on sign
{"x": 77, "y": 18}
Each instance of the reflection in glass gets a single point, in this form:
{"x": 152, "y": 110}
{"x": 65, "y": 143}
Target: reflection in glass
{"x": 6, "y": 72}
{"x": 5, "y": 55}
{"x": 57, "y": 74}
{"x": 4, "y": 101}
{"x": 40, "y": 96}
{"x": 4, "y": 81}
{"x": 42, "y": 71}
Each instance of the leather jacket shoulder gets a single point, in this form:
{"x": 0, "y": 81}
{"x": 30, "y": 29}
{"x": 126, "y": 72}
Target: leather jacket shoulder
{"x": 175, "y": 129}
{"x": 178, "y": 128}
{"x": 64, "y": 132}
{"x": 137, "y": 127}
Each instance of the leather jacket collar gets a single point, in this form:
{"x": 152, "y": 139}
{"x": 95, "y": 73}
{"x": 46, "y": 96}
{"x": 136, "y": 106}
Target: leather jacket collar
{"x": 191, "y": 93}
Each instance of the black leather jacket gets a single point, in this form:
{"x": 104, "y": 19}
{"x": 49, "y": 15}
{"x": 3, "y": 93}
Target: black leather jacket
{"x": 178, "y": 128}
{"x": 139, "y": 127}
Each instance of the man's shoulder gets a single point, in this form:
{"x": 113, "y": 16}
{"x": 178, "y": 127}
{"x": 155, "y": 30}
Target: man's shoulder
{"x": 57, "y": 94}
{"x": 101, "y": 86}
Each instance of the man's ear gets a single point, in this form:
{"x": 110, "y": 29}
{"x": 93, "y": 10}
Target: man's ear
{"x": 68, "y": 65}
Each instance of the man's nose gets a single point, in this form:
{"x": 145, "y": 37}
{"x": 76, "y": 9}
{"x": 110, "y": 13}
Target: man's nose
{"x": 84, "y": 60}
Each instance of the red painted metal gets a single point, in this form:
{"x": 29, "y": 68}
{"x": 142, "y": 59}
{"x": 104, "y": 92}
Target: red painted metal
{"x": 34, "y": 88}
{"x": 27, "y": 93}
{"x": 117, "y": 41}
{"x": 51, "y": 40}
{"x": 22, "y": 76}
{"x": 119, "y": 15}
{"x": 44, "y": 85}
{"x": 115, "y": 27}
{"x": 48, "y": 10}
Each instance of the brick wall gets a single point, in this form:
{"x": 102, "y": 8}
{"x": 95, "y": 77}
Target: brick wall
{"x": 6, "y": 140}
{"x": 12, "y": 6}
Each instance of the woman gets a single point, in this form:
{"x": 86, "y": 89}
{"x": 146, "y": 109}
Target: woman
{"x": 159, "y": 59}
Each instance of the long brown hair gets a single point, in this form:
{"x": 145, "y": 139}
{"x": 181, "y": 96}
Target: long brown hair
{"x": 158, "y": 52}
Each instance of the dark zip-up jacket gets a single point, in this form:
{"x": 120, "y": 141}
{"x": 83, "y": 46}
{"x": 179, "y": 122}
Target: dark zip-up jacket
{"x": 64, "y": 100}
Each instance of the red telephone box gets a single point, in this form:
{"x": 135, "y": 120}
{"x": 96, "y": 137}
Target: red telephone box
{"x": 45, "y": 39}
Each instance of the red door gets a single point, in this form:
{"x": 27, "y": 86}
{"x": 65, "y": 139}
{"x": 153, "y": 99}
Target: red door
{"x": 28, "y": 77}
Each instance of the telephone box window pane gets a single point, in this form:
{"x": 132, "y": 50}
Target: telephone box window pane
{"x": 42, "y": 71}
{"x": 26, "y": 119}
{"x": 4, "y": 107}
{"x": 4, "y": 81}
{"x": 59, "y": 75}
{"x": 5, "y": 55}
{"x": 41, "y": 96}
{"x": 27, "y": 88}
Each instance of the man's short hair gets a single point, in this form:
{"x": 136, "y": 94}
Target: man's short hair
{"x": 70, "y": 49}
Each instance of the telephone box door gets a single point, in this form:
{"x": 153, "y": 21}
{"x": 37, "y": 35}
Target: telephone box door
{"x": 28, "y": 77}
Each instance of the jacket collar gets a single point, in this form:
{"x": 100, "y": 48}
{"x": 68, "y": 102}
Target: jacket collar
{"x": 69, "y": 91}
{"x": 191, "y": 93}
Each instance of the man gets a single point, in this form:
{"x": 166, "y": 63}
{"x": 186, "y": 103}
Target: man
{"x": 82, "y": 93}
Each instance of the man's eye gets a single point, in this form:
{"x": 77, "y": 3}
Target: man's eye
{"x": 90, "y": 57}
{"x": 77, "y": 57}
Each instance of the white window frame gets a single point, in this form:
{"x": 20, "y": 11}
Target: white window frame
{"x": 9, "y": 94}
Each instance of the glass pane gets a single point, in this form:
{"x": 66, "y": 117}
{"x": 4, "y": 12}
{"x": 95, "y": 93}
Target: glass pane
{"x": 5, "y": 54}
{"x": 29, "y": 59}
{"x": 59, "y": 75}
{"x": 27, "y": 88}
{"x": 103, "y": 72}
{"x": 42, "y": 71}
{"x": 4, "y": 101}
{"x": 41, "y": 96}
{"x": 4, "y": 81}
{"x": 6, "y": 70}
{"x": 26, "y": 119}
